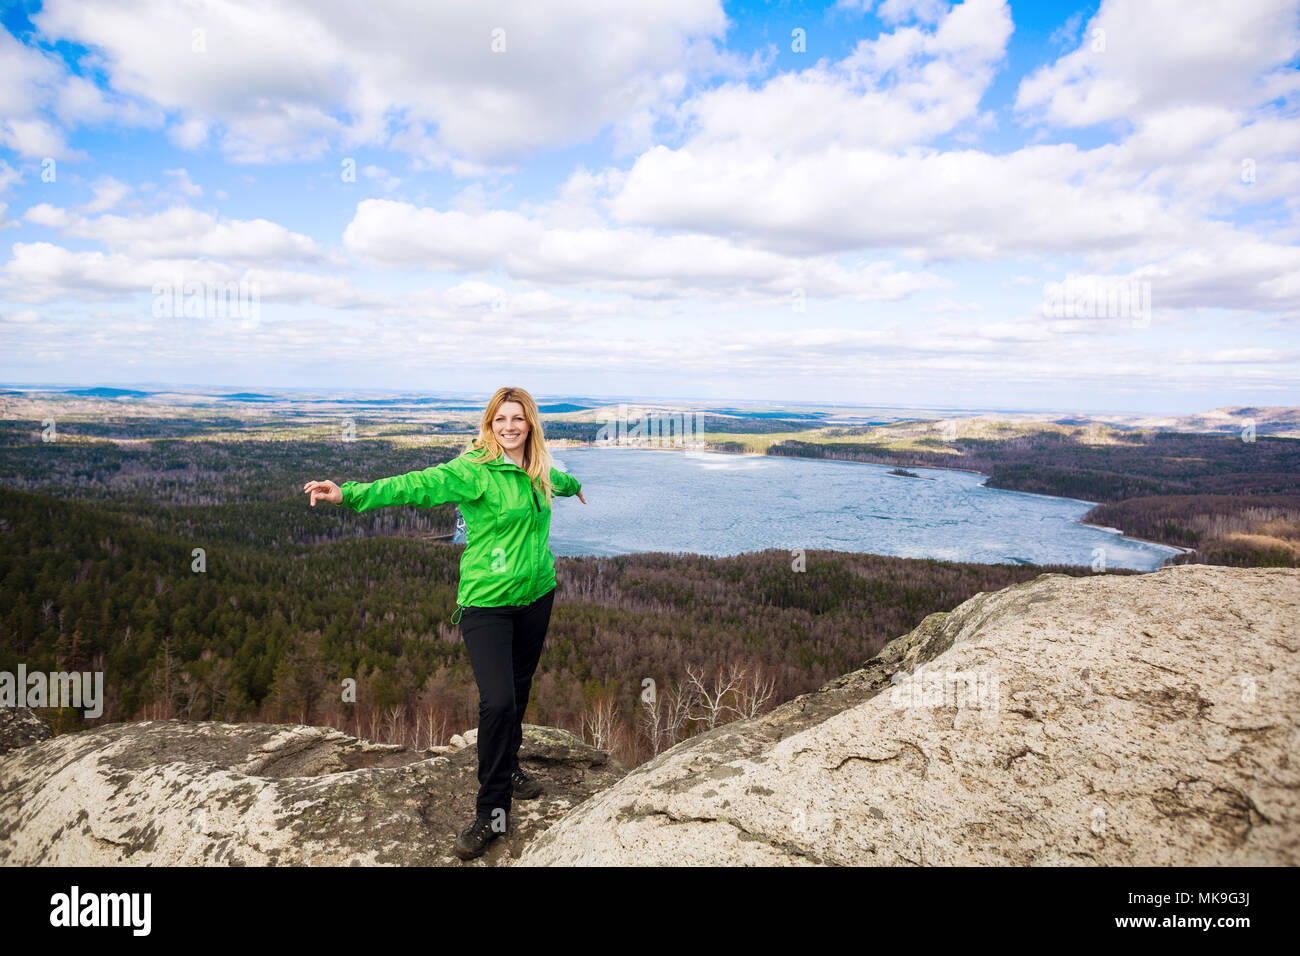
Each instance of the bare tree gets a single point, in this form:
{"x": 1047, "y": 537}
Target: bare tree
{"x": 713, "y": 701}
{"x": 754, "y": 692}
{"x": 651, "y": 721}
{"x": 678, "y": 712}
{"x": 600, "y": 724}
{"x": 395, "y": 725}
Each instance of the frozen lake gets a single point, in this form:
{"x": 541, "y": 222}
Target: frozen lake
{"x": 718, "y": 504}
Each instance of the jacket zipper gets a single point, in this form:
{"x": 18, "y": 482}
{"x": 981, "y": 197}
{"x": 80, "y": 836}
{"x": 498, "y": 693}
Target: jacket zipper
{"x": 532, "y": 577}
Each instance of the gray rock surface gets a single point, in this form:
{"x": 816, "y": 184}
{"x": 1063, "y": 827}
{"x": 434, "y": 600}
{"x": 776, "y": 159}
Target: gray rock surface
{"x": 1114, "y": 720}
{"x": 194, "y": 793}
{"x": 19, "y": 726}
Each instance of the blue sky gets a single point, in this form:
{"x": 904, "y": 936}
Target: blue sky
{"x": 899, "y": 201}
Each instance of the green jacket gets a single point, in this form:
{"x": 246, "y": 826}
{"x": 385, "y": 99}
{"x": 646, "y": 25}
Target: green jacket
{"x": 507, "y": 557}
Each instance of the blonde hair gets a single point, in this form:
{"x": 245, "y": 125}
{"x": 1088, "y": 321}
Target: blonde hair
{"x": 536, "y": 454}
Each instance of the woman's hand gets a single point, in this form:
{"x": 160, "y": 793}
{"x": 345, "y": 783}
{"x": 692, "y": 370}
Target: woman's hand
{"x": 580, "y": 498}
{"x": 325, "y": 491}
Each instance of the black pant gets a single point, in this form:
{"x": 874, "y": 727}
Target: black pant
{"x": 504, "y": 645}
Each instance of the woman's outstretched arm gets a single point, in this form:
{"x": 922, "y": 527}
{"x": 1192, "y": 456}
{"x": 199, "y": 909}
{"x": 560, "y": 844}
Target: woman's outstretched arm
{"x": 565, "y": 485}
{"x": 454, "y": 481}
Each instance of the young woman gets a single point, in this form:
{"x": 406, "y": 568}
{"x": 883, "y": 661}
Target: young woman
{"x": 503, "y": 484}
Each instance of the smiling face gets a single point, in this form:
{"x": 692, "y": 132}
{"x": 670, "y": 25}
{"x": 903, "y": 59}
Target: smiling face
{"x": 510, "y": 427}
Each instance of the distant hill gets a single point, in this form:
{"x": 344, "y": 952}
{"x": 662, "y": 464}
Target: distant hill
{"x": 791, "y": 416}
{"x": 1280, "y": 420}
{"x": 107, "y": 392}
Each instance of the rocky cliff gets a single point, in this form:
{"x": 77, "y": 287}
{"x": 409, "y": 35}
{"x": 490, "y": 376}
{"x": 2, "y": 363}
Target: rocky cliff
{"x": 1133, "y": 719}
{"x": 1113, "y": 720}
{"x": 194, "y": 793}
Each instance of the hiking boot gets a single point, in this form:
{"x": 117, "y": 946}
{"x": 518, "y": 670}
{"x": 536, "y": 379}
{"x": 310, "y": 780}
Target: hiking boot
{"x": 525, "y": 788}
{"x": 474, "y": 839}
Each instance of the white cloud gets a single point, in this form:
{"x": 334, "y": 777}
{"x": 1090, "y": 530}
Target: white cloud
{"x": 40, "y": 98}
{"x": 946, "y": 306}
{"x": 8, "y": 176}
{"x": 937, "y": 205}
{"x": 182, "y": 182}
{"x": 291, "y": 79}
{"x": 44, "y": 272}
{"x": 382, "y": 177}
{"x": 898, "y": 11}
{"x": 1068, "y": 31}
{"x": 36, "y": 138}
{"x": 43, "y": 214}
{"x": 80, "y": 101}
{"x": 108, "y": 193}
{"x": 1164, "y": 54}
{"x": 792, "y": 168}
{"x": 1230, "y": 271}
{"x": 473, "y": 302}
{"x": 180, "y": 232}
{"x": 188, "y": 133}
{"x": 906, "y": 86}
{"x": 384, "y": 233}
